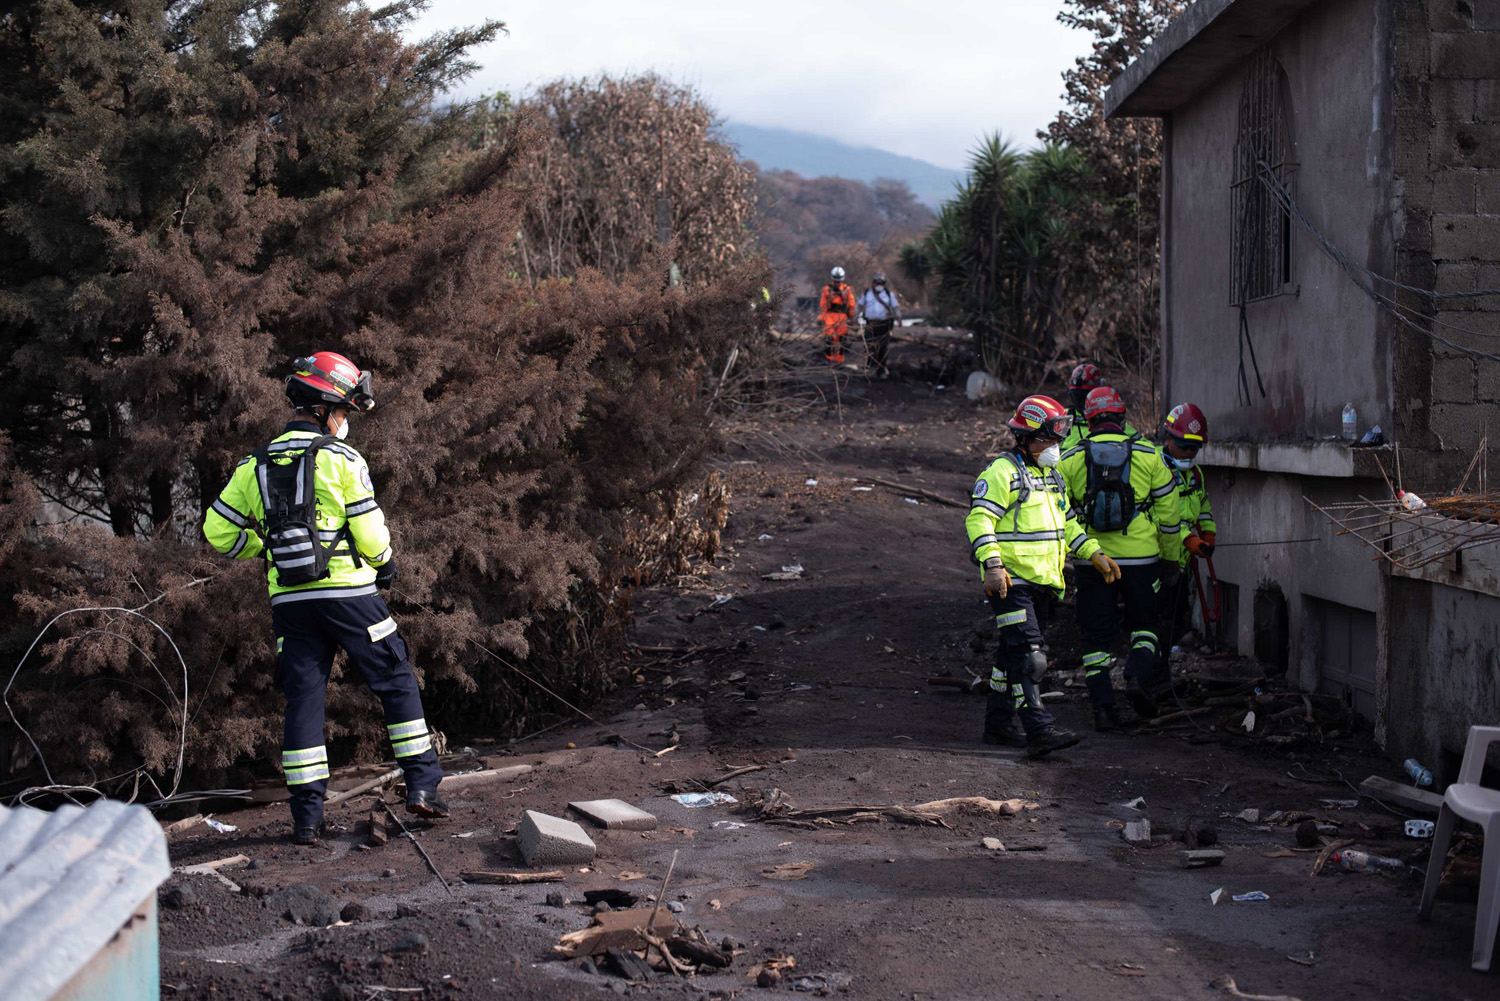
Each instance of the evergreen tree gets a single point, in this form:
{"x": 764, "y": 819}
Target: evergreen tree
{"x": 194, "y": 193}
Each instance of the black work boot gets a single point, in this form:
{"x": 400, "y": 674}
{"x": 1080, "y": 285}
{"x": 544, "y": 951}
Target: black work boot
{"x": 1000, "y": 726}
{"x": 1053, "y": 738}
{"x": 309, "y": 834}
{"x": 1140, "y": 699}
{"x": 426, "y": 804}
{"x": 1106, "y": 719}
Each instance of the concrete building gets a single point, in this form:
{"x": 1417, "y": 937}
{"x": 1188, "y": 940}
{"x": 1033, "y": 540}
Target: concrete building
{"x": 1381, "y": 121}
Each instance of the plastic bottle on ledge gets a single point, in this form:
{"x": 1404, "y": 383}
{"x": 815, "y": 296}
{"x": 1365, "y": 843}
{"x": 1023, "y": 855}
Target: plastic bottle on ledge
{"x": 1410, "y": 501}
{"x": 1421, "y": 776}
{"x": 1351, "y": 861}
{"x": 1349, "y": 430}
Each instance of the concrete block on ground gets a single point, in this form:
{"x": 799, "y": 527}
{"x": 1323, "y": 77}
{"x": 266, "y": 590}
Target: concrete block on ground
{"x": 1138, "y": 832}
{"x": 1200, "y": 858}
{"x": 615, "y": 814}
{"x": 547, "y": 840}
{"x": 1401, "y": 794}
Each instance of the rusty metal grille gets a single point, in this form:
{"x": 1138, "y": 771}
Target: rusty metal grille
{"x": 1261, "y": 240}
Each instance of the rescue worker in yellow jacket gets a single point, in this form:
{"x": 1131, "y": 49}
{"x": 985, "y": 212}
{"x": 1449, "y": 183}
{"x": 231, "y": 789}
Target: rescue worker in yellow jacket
{"x": 1127, "y": 501}
{"x": 1020, "y": 529}
{"x": 1186, "y": 431}
{"x": 306, "y": 503}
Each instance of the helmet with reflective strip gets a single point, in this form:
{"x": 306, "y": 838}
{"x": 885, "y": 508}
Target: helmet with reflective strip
{"x": 836, "y": 274}
{"x": 1102, "y": 402}
{"x": 1187, "y": 423}
{"x": 1086, "y": 377}
{"x": 329, "y": 379}
{"x": 1040, "y": 417}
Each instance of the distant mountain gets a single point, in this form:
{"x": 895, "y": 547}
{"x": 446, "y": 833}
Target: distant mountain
{"x": 818, "y": 156}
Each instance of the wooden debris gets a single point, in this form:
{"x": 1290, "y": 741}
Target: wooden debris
{"x": 182, "y": 825}
{"x": 916, "y": 492}
{"x": 378, "y": 782}
{"x": 454, "y": 782}
{"x": 511, "y": 878}
{"x": 378, "y": 835}
{"x": 734, "y": 773}
{"x": 212, "y": 869}
{"x": 1228, "y": 986}
{"x": 614, "y": 930}
{"x": 788, "y": 871}
{"x": 1200, "y": 858}
{"x": 1407, "y": 796}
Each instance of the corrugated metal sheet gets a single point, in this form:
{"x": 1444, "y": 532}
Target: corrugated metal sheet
{"x": 69, "y": 882}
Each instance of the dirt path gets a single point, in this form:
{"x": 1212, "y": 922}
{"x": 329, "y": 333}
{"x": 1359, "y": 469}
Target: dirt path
{"x": 823, "y": 681}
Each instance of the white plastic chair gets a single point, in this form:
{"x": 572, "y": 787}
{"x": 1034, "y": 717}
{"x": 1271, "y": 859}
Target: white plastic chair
{"x": 1468, "y": 799}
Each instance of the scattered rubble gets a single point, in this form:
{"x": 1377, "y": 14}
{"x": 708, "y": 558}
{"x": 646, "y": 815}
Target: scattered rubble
{"x": 1200, "y": 858}
{"x": 547, "y": 840}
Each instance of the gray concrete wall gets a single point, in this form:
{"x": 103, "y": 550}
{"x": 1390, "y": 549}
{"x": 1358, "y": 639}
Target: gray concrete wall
{"x": 1252, "y": 506}
{"x": 1445, "y": 676}
{"x": 1327, "y": 344}
{"x": 1447, "y": 166}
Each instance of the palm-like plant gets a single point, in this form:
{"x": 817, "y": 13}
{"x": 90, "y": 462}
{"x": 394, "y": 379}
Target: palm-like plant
{"x": 996, "y": 257}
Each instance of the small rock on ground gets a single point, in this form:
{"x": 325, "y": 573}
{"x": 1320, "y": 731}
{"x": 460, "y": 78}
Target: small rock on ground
{"x": 179, "y": 897}
{"x": 354, "y": 911}
{"x": 412, "y": 941}
{"x": 304, "y": 905}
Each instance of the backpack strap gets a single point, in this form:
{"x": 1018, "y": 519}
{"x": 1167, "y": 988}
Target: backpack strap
{"x": 308, "y": 458}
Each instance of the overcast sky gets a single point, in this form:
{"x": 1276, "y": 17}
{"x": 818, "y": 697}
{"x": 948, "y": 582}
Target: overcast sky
{"x": 921, "y": 79}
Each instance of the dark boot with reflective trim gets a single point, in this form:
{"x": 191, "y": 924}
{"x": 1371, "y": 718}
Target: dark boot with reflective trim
{"x": 1053, "y": 738}
{"x": 1140, "y": 699}
{"x": 1000, "y": 724}
{"x": 308, "y": 835}
{"x": 426, "y": 804}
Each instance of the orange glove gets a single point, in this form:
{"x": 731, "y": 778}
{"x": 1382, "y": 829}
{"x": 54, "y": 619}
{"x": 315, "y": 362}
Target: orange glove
{"x": 1211, "y": 538}
{"x": 1199, "y": 546}
{"x": 1108, "y": 568}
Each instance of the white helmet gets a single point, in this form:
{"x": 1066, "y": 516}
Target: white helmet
{"x": 837, "y": 274}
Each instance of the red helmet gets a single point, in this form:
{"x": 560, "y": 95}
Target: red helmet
{"x": 330, "y": 379}
{"x": 1102, "y": 402}
{"x": 1187, "y": 424}
{"x": 1041, "y": 417}
{"x": 1086, "y": 377}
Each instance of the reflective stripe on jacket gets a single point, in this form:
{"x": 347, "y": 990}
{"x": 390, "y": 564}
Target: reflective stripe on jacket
{"x": 1156, "y": 505}
{"x": 345, "y": 496}
{"x": 1019, "y": 512}
{"x": 1196, "y": 513}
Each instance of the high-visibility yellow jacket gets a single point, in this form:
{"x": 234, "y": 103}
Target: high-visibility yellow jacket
{"x": 1197, "y": 515}
{"x": 1080, "y": 431}
{"x": 1019, "y": 512}
{"x": 345, "y": 497}
{"x": 1156, "y": 506}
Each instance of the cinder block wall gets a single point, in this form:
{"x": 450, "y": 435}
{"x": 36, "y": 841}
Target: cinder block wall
{"x": 1447, "y": 165}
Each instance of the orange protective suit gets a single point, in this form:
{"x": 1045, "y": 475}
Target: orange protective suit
{"x": 836, "y": 309}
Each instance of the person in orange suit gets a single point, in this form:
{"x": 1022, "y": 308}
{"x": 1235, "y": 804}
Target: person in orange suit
{"x": 836, "y": 309}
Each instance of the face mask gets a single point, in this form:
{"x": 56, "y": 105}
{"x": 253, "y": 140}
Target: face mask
{"x": 1182, "y": 463}
{"x": 343, "y": 431}
{"x": 1050, "y": 456}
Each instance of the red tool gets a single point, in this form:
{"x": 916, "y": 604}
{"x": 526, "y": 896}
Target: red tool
{"x": 1213, "y": 610}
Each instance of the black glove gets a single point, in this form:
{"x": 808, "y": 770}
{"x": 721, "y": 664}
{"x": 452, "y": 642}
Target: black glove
{"x": 385, "y": 575}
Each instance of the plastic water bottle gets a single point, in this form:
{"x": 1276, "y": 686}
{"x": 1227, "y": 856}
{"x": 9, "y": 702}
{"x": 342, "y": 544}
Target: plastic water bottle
{"x": 1350, "y": 419}
{"x": 1410, "y": 501}
{"x": 1419, "y": 775}
{"x": 1365, "y": 862}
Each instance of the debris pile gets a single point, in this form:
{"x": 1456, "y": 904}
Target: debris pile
{"x": 1252, "y": 710}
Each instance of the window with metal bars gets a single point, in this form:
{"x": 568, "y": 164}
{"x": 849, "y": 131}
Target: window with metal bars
{"x": 1261, "y": 233}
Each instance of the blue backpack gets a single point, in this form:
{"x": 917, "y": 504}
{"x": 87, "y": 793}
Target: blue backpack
{"x": 1108, "y": 500}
